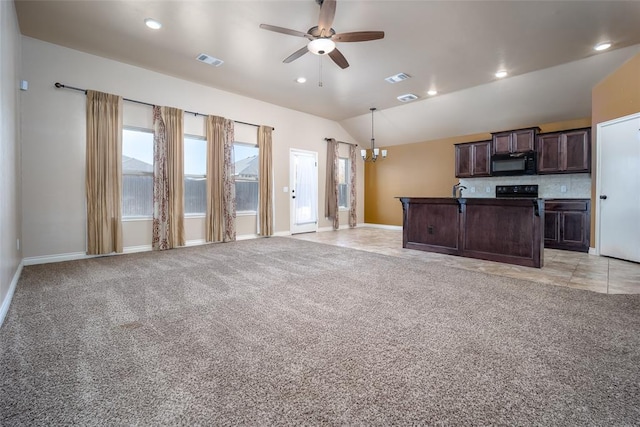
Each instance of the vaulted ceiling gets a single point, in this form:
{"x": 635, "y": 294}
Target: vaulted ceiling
{"x": 454, "y": 47}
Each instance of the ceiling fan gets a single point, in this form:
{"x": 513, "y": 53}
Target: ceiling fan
{"x": 323, "y": 38}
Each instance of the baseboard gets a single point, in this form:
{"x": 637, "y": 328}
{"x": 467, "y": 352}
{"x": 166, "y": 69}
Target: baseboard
{"x": 56, "y": 258}
{"x": 196, "y": 242}
{"x": 135, "y": 249}
{"x": 593, "y": 251}
{"x": 4, "y": 309}
{"x": 383, "y": 226}
{"x": 282, "y": 233}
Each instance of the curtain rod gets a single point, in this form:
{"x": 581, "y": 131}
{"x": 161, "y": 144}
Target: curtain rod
{"x": 342, "y": 142}
{"x": 60, "y": 85}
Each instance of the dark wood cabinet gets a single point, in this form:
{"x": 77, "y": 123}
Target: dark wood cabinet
{"x": 565, "y": 152}
{"x": 473, "y": 159}
{"x": 567, "y": 224}
{"x": 503, "y": 230}
{"x": 515, "y": 141}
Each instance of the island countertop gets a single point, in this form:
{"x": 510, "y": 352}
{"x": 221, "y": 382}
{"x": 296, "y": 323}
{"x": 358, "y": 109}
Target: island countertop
{"x": 503, "y": 230}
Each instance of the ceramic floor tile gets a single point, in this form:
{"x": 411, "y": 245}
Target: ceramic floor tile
{"x": 561, "y": 268}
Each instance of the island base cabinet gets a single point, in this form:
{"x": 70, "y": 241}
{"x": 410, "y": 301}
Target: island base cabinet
{"x": 503, "y": 230}
{"x": 430, "y": 225}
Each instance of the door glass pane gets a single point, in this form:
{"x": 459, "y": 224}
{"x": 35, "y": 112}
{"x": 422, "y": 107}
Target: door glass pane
{"x": 306, "y": 201}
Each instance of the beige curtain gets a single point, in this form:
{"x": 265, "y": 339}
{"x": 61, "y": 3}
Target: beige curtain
{"x": 221, "y": 195}
{"x": 331, "y": 190}
{"x": 104, "y": 173}
{"x": 353, "y": 216}
{"x": 265, "y": 177}
{"x": 168, "y": 192}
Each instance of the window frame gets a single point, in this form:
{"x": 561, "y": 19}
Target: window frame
{"x": 186, "y": 175}
{"x": 347, "y": 182}
{"x": 236, "y": 180}
{"x": 139, "y": 173}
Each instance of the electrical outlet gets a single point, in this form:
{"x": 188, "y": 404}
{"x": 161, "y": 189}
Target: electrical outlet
{"x": 473, "y": 189}
{"x": 17, "y": 244}
{"x": 488, "y": 189}
{"x": 563, "y": 188}
{"x": 285, "y": 189}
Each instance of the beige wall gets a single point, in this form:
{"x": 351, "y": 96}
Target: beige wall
{"x": 53, "y": 139}
{"x": 618, "y": 95}
{"x": 425, "y": 169}
{"x": 10, "y": 256}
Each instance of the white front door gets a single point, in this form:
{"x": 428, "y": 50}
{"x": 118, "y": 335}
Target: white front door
{"x": 618, "y": 188}
{"x": 303, "y": 178}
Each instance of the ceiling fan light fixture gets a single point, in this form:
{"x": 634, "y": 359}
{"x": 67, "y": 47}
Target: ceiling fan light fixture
{"x": 321, "y": 46}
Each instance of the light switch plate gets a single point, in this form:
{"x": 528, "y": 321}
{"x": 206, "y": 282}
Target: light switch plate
{"x": 563, "y": 188}
{"x": 285, "y": 189}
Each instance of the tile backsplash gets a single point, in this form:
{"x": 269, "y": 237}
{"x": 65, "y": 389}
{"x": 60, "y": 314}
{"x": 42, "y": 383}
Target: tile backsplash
{"x": 565, "y": 186}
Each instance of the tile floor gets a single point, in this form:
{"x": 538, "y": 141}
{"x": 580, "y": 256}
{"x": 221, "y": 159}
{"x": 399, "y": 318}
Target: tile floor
{"x": 562, "y": 268}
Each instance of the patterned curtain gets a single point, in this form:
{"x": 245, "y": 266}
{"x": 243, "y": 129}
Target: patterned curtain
{"x": 265, "y": 178}
{"x": 168, "y": 179}
{"x": 353, "y": 216}
{"x": 104, "y": 173}
{"x": 331, "y": 190}
{"x": 160, "y": 238}
{"x": 221, "y": 193}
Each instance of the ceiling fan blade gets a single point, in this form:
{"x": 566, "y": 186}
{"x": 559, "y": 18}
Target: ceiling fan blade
{"x": 284, "y": 30}
{"x": 327, "y": 13}
{"x": 358, "y": 36}
{"x": 295, "y": 55}
{"x": 339, "y": 58}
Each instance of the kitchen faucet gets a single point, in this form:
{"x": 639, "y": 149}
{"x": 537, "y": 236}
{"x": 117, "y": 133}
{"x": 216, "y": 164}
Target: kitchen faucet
{"x": 455, "y": 189}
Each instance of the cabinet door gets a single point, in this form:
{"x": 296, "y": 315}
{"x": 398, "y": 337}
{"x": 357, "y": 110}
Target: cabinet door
{"x": 463, "y": 160}
{"x": 577, "y": 149}
{"x": 573, "y": 228}
{"x": 551, "y": 227}
{"x": 523, "y": 141}
{"x": 502, "y": 143}
{"x": 549, "y": 160}
{"x": 481, "y": 159}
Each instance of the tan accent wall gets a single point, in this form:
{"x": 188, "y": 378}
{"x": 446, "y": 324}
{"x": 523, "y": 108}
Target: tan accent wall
{"x": 618, "y": 95}
{"x": 424, "y": 169}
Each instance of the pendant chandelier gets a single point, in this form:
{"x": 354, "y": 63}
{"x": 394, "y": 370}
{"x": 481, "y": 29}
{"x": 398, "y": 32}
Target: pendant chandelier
{"x": 375, "y": 152}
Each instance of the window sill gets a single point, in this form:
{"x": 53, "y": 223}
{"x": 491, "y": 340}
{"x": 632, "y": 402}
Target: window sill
{"x": 343, "y": 209}
{"x": 137, "y": 218}
{"x": 198, "y": 215}
{"x": 247, "y": 213}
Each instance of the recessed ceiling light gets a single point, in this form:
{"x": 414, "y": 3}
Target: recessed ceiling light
{"x": 432, "y": 92}
{"x": 500, "y": 74}
{"x": 301, "y": 80}
{"x": 602, "y": 46}
{"x": 153, "y": 24}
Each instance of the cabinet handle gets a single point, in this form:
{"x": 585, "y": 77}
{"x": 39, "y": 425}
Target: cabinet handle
{"x": 603, "y": 197}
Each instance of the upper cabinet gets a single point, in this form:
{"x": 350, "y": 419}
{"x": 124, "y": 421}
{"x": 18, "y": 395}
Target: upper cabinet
{"x": 515, "y": 141}
{"x": 473, "y": 159}
{"x": 565, "y": 152}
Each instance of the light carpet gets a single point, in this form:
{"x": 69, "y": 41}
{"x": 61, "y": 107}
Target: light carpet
{"x": 281, "y": 331}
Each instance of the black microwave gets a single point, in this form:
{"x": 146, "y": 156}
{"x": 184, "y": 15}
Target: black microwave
{"x": 513, "y": 164}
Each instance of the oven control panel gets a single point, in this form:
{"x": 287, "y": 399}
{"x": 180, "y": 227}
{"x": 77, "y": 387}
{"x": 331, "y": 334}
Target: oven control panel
{"x": 529, "y": 191}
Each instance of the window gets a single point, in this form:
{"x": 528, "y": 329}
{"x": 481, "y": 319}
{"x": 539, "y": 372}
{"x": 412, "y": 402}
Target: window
{"x": 343, "y": 183}
{"x": 246, "y": 165}
{"x": 195, "y": 175}
{"x": 137, "y": 173}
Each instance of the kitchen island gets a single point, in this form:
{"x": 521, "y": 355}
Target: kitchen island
{"x": 503, "y": 230}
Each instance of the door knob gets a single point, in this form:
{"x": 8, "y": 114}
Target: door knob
{"x": 293, "y": 197}
{"x": 603, "y": 197}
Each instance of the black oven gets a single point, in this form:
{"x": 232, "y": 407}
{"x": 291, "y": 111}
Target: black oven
{"x": 513, "y": 164}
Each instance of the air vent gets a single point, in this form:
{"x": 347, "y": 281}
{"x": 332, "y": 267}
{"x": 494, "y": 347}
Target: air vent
{"x": 408, "y": 97}
{"x": 398, "y": 78}
{"x": 208, "y": 59}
